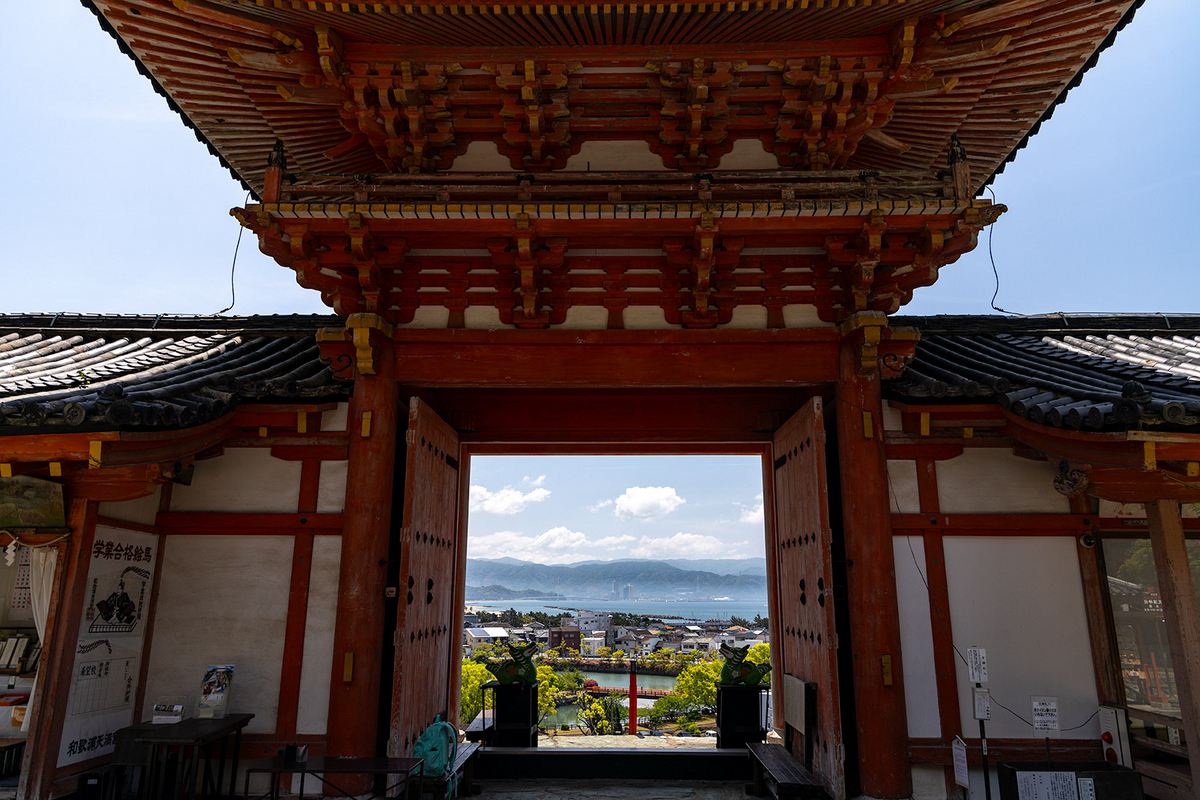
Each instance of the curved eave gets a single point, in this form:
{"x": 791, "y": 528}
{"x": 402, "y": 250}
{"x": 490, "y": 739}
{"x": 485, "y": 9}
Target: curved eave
{"x": 1062, "y": 97}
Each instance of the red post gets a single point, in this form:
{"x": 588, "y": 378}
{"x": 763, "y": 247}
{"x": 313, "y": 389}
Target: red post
{"x": 871, "y": 594}
{"x": 49, "y": 707}
{"x": 633, "y": 696}
{"x": 358, "y": 636}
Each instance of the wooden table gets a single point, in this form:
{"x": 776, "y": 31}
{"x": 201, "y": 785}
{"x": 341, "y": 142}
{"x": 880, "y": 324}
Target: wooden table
{"x": 322, "y": 766}
{"x": 149, "y": 746}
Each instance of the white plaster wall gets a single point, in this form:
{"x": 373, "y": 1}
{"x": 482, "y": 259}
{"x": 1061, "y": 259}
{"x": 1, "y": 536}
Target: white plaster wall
{"x": 317, "y": 665}
{"x": 748, "y": 154}
{"x": 586, "y": 318}
{"x": 929, "y": 782}
{"x": 429, "y": 317}
{"x": 902, "y": 486}
{"x": 614, "y": 156}
{"x": 481, "y": 157}
{"x": 1138, "y": 511}
{"x": 1021, "y": 598}
{"x": 222, "y": 600}
{"x": 803, "y": 316}
{"x": 245, "y": 479}
{"x": 916, "y": 638}
{"x": 644, "y": 318}
{"x": 891, "y": 418}
{"x": 335, "y": 420}
{"x": 482, "y": 318}
{"x": 143, "y": 510}
{"x": 991, "y": 480}
{"x": 331, "y": 488}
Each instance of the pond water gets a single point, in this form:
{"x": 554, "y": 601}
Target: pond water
{"x": 569, "y": 715}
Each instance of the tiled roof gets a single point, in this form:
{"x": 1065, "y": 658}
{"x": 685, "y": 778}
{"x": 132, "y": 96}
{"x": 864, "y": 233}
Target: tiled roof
{"x": 84, "y": 372}
{"x": 1081, "y": 372}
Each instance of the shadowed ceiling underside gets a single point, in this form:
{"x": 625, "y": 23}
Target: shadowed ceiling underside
{"x": 356, "y": 88}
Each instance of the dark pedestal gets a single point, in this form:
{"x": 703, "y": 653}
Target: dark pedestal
{"x": 739, "y": 716}
{"x": 515, "y": 710}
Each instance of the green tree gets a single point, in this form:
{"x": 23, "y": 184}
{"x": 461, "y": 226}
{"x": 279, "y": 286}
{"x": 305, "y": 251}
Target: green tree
{"x": 761, "y": 622}
{"x": 593, "y": 718}
{"x": 474, "y": 676}
{"x": 736, "y": 620}
{"x": 761, "y": 654}
{"x": 697, "y": 683}
{"x": 547, "y": 692}
{"x": 670, "y": 708}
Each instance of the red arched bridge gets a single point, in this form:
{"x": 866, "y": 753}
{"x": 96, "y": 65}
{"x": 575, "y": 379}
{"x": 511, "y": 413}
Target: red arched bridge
{"x": 600, "y": 691}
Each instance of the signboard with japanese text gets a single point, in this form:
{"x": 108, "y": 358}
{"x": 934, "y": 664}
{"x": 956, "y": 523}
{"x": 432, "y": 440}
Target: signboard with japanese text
{"x": 1045, "y": 714}
{"x": 108, "y": 650}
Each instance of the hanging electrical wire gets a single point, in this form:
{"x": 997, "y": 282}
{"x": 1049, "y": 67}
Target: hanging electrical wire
{"x": 233, "y": 267}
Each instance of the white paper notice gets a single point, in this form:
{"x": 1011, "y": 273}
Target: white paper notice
{"x": 1045, "y": 714}
{"x": 960, "y": 763}
{"x": 977, "y": 665}
{"x": 1046, "y": 786}
{"x": 1087, "y": 789}
{"x": 983, "y": 704}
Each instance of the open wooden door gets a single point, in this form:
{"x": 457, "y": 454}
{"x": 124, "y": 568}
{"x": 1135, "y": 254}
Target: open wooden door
{"x": 806, "y": 633}
{"x": 425, "y": 628}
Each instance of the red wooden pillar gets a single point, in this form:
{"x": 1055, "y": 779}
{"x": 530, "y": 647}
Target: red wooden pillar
{"x": 874, "y": 621}
{"x": 49, "y": 706}
{"x": 358, "y": 635}
{"x": 1178, "y": 594}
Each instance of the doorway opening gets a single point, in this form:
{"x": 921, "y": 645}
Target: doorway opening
{"x": 597, "y": 562}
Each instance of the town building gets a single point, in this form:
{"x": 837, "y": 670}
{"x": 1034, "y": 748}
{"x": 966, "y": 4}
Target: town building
{"x": 682, "y": 228}
{"x": 475, "y": 637}
{"x": 564, "y": 638}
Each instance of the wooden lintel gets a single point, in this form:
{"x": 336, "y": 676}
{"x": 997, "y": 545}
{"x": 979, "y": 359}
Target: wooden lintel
{"x": 214, "y": 522}
{"x": 597, "y": 359}
{"x": 1004, "y": 524}
{"x": 46, "y": 447}
{"x": 935, "y": 751}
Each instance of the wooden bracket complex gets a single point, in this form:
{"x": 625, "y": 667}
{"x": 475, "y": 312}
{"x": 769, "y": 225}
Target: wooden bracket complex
{"x": 363, "y": 331}
{"x": 876, "y": 342}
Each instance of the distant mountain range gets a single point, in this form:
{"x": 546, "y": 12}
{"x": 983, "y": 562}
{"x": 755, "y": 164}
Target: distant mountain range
{"x": 497, "y": 592}
{"x": 745, "y": 578}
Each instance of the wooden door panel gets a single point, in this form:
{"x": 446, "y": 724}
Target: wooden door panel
{"x": 425, "y": 622}
{"x": 806, "y": 634}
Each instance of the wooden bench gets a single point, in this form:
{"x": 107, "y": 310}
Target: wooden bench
{"x": 481, "y": 728}
{"x": 464, "y": 768}
{"x": 777, "y": 771}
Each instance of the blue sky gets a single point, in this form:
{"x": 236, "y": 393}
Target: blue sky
{"x": 113, "y": 206}
{"x": 559, "y": 509}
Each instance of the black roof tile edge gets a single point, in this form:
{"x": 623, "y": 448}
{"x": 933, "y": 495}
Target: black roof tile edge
{"x": 1050, "y": 324}
{"x": 166, "y": 324}
{"x": 1062, "y": 97}
{"x": 141, "y": 68}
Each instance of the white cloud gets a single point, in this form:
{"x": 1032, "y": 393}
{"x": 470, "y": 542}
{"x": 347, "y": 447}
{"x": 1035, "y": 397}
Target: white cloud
{"x": 505, "y": 501}
{"x": 538, "y": 481}
{"x": 686, "y": 545}
{"x": 600, "y": 505}
{"x": 614, "y": 541}
{"x": 559, "y": 545}
{"x": 752, "y": 513}
{"x": 647, "y": 502}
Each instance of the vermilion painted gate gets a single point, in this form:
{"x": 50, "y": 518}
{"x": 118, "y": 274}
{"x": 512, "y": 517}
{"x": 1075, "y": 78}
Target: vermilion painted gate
{"x": 426, "y": 622}
{"x": 804, "y": 571}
